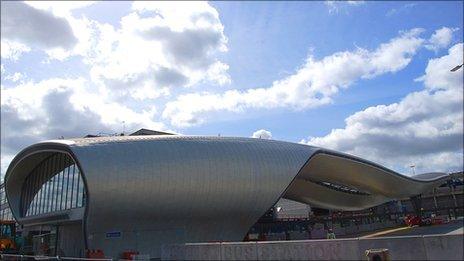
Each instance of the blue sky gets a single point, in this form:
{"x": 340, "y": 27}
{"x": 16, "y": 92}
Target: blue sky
{"x": 293, "y": 71}
{"x": 283, "y": 34}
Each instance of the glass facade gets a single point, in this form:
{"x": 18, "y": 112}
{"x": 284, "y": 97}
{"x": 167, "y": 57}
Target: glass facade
{"x": 54, "y": 185}
{"x": 5, "y": 211}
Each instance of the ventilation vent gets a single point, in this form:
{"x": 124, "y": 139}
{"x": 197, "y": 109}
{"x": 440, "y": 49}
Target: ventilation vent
{"x": 341, "y": 188}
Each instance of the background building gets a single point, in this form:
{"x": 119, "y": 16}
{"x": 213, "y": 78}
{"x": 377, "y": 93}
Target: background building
{"x": 5, "y": 211}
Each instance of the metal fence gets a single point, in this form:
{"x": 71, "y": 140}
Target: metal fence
{"x": 28, "y": 257}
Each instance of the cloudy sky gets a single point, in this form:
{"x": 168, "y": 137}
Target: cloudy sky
{"x": 367, "y": 78}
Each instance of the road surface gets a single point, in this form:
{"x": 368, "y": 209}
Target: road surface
{"x": 453, "y": 227}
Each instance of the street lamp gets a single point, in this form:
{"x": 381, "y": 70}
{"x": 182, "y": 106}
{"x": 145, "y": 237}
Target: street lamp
{"x": 456, "y": 68}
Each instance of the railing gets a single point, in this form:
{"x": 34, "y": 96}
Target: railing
{"x": 29, "y": 257}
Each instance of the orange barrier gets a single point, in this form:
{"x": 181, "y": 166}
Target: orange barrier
{"x": 129, "y": 255}
{"x": 97, "y": 254}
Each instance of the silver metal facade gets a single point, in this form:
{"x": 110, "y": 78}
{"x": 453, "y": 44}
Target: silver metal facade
{"x": 372, "y": 184}
{"x": 144, "y": 191}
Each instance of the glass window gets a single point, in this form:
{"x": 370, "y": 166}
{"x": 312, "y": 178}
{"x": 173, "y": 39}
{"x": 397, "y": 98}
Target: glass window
{"x": 54, "y": 185}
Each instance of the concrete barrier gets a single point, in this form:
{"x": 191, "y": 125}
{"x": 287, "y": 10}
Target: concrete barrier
{"x": 172, "y": 252}
{"x": 401, "y": 248}
{"x": 308, "y": 250}
{"x": 433, "y": 247}
{"x": 239, "y": 251}
{"x": 203, "y": 251}
{"x": 443, "y": 247}
{"x": 198, "y": 251}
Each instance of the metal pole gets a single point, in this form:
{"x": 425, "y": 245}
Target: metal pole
{"x": 454, "y": 196}
{"x": 56, "y": 240}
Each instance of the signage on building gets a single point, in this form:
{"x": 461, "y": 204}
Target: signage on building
{"x": 113, "y": 234}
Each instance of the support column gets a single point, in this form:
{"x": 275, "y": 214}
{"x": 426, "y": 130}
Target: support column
{"x": 417, "y": 204}
{"x": 452, "y": 193}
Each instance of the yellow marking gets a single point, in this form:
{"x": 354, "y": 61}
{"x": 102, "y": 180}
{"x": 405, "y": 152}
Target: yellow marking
{"x": 381, "y": 233}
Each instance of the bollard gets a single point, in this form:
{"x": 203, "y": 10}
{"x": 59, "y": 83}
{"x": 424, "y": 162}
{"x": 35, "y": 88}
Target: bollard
{"x": 381, "y": 254}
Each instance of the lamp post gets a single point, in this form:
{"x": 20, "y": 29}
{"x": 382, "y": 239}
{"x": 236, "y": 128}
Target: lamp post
{"x": 456, "y": 68}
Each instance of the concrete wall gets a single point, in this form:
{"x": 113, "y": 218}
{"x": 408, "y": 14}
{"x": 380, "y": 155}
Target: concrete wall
{"x": 433, "y": 247}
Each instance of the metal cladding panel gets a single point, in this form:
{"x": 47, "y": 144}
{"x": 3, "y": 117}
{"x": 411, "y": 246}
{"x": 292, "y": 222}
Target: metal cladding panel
{"x": 369, "y": 176}
{"x": 377, "y": 183}
{"x": 145, "y": 191}
{"x": 187, "y": 189}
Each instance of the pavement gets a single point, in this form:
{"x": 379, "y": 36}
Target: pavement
{"x": 458, "y": 231}
{"x": 386, "y": 232}
{"x": 452, "y": 228}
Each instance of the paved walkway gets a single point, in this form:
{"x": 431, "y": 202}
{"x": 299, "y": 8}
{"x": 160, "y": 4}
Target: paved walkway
{"x": 456, "y": 232}
{"x": 451, "y": 228}
{"x": 386, "y": 232}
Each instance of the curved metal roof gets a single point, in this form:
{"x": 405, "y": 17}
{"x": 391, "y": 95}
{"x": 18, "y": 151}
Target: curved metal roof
{"x": 339, "y": 181}
{"x": 162, "y": 189}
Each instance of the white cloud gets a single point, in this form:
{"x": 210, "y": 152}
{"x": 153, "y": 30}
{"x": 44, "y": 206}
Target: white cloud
{"x": 158, "y": 48}
{"x": 262, "y": 134}
{"x": 440, "y": 39}
{"x": 17, "y": 76}
{"x": 356, "y": 2}
{"x": 49, "y": 109}
{"x": 424, "y": 128}
{"x": 314, "y": 83}
{"x": 42, "y": 29}
{"x": 403, "y": 9}
{"x": 159, "y": 45}
{"x": 217, "y": 73}
{"x": 437, "y": 74}
{"x": 335, "y": 6}
{"x": 59, "y": 8}
{"x": 11, "y": 50}
{"x": 5, "y": 160}
{"x": 65, "y": 35}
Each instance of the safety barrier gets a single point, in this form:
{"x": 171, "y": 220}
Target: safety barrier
{"x": 29, "y": 257}
{"x": 12, "y": 257}
{"x": 432, "y": 247}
